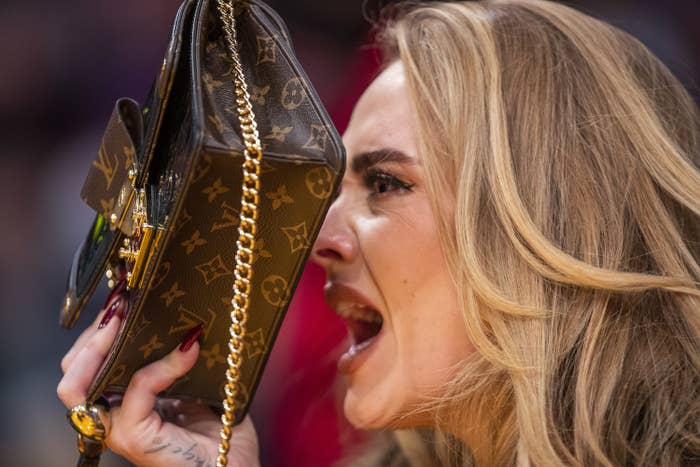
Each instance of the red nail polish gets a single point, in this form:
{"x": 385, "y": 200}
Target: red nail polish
{"x": 117, "y": 307}
{"x": 118, "y": 289}
{"x": 190, "y": 338}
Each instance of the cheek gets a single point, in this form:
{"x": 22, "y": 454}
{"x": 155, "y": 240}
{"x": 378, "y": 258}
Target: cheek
{"x": 431, "y": 336}
{"x": 425, "y": 336}
{"x": 421, "y": 297}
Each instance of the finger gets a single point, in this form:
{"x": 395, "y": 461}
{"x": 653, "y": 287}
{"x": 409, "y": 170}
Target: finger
{"x": 140, "y": 396}
{"x": 115, "y": 305}
{"x": 72, "y": 389}
{"x": 80, "y": 342}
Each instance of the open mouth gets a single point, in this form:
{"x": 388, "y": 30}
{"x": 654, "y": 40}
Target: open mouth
{"x": 364, "y": 322}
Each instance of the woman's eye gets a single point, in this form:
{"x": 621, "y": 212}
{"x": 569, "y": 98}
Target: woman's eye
{"x": 380, "y": 182}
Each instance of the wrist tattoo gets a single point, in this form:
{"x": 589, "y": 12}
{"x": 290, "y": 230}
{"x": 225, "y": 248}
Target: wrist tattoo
{"x": 188, "y": 454}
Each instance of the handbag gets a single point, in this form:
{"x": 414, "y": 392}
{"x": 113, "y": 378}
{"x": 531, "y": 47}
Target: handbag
{"x": 208, "y": 199}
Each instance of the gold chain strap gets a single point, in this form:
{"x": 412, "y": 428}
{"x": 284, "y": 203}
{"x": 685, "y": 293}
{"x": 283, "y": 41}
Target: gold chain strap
{"x": 246, "y": 231}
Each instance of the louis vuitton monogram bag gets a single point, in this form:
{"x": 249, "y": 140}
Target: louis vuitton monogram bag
{"x": 208, "y": 199}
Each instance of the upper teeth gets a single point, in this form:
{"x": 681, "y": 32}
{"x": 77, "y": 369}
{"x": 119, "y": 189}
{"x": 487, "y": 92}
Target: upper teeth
{"x": 357, "y": 311}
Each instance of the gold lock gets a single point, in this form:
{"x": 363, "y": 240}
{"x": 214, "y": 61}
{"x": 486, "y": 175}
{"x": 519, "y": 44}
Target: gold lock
{"x": 137, "y": 254}
{"x": 137, "y": 247}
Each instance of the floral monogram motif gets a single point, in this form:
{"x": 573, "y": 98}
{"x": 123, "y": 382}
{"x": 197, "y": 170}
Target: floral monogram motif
{"x": 213, "y": 269}
{"x": 293, "y": 94}
{"x": 318, "y": 138}
{"x": 152, "y": 345}
{"x": 298, "y": 236}
{"x": 255, "y": 343}
{"x": 257, "y": 94}
{"x": 212, "y": 356}
{"x": 259, "y": 250}
{"x": 279, "y": 197}
{"x": 193, "y": 242}
{"x": 267, "y": 49}
{"x": 215, "y": 190}
{"x": 319, "y": 182}
{"x": 275, "y": 290}
{"x": 279, "y": 133}
{"x": 172, "y": 294}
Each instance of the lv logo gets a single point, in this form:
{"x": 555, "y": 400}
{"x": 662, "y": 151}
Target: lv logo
{"x": 106, "y": 166}
{"x": 229, "y": 217}
{"x": 187, "y": 320}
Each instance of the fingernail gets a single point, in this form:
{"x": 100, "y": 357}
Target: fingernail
{"x": 118, "y": 289}
{"x": 116, "y": 307}
{"x": 190, "y": 338}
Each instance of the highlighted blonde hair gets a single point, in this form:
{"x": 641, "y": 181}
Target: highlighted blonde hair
{"x": 562, "y": 161}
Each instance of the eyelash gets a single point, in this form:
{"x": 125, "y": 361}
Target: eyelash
{"x": 391, "y": 182}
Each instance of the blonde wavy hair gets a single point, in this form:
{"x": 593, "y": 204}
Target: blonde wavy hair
{"x": 562, "y": 161}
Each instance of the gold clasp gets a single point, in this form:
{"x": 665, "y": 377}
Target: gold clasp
{"x": 125, "y": 204}
{"x": 137, "y": 249}
{"x": 136, "y": 252}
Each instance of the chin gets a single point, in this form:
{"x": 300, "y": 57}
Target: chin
{"x": 365, "y": 412}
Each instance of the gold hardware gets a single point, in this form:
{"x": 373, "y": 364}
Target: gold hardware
{"x": 137, "y": 251}
{"x": 109, "y": 274}
{"x": 137, "y": 247}
{"x": 246, "y": 231}
{"x": 128, "y": 252}
{"x": 91, "y": 421}
{"x": 139, "y": 216}
{"x": 83, "y": 445}
{"x": 151, "y": 249}
{"x": 142, "y": 254}
{"x": 119, "y": 218}
{"x": 128, "y": 212}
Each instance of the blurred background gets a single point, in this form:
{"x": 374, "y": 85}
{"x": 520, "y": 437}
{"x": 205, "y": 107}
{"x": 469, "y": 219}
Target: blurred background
{"x": 64, "y": 65}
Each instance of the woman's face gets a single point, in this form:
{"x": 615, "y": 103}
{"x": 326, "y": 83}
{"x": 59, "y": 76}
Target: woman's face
{"x": 385, "y": 272}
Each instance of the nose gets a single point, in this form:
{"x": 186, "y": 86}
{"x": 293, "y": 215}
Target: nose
{"x": 336, "y": 242}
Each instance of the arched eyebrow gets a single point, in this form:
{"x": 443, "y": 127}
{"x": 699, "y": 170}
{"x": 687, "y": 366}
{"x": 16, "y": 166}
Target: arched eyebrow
{"x": 361, "y": 162}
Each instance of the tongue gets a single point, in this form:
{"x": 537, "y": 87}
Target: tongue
{"x": 363, "y": 330}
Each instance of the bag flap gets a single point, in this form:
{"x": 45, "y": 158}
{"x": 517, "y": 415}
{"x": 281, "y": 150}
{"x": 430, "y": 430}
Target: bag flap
{"x": 105, "y": 182}
{"x": 108, "y": 188}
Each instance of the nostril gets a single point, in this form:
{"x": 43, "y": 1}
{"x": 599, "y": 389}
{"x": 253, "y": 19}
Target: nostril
{"x": 328, "y": 253}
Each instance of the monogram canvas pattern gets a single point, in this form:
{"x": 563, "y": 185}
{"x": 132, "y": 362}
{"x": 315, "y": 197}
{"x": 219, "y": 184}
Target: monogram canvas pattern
{"x": 188, "y": 280}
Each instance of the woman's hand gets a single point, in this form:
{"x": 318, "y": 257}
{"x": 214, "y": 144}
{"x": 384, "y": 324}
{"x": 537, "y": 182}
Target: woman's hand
{"x": 186, "y": 434}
